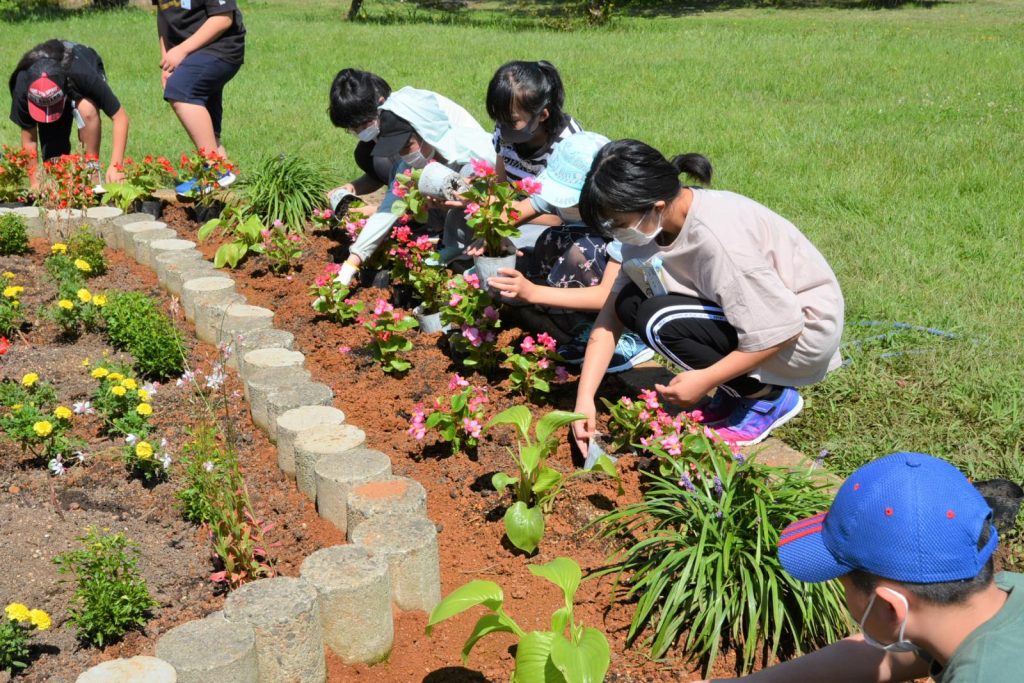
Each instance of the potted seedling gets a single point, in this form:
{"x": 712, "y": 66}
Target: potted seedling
{"x": 141, "y": 180}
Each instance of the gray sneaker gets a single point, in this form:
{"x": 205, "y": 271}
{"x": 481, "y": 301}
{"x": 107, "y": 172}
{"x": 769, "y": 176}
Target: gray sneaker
{"x": 629, "y": 352}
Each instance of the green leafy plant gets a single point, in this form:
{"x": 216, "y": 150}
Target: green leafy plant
{"x": 209, "y": 467}
{"x": 532, "y": 368}
{"x": 15, "y": 629}
{"x": 698, "y": 556}
{"x": 244, "y": 229}
{"x": 567, "y": 653}
{"x": 535, "y": 485}
{"x": 14, "y": 165}
{"x": 110, "y": 596}
{"x": 489, "y": 208}
{"x": 31, "y": 419}
{"x": 206, "y": 167}
{"x": 13, "y": 234}
{"x": 87, "y": 246}
{"x": 141, "y": 179}
{"x": 331, "y": 298}
{"x": 11, "y": 315}
{"x": 282, "y": 247}
{"x": 387, "y": 326}
{"x": 84, "y": 311}
{"x": 411, "y": 202}
{"x": 415, "y": 263}
{"x": 285, "y": 188}
{"x": 459, "y": 421}
{"x": 474, "y": 322}
{"x": 135, "y": 324}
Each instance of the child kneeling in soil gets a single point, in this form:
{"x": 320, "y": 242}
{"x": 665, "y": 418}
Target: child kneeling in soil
{"x": 716, "y": 283}
{"x": 912, "y": 541}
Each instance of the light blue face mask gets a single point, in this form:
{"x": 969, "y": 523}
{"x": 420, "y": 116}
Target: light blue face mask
{"x": 901, "y": 644}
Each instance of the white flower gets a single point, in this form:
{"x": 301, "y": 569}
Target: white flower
{"x": 187, "y": 378}
{"x": 151, "y": 388}
{"x": 82, "y": 408}
{"x": 57, "y": 466}
{"x": 216, "y": 378}
{"x": 165, "y": 460}
{"x": 131, "y": 439}
{"x": 80, "y": 455}
{"x": 208, "y": 466}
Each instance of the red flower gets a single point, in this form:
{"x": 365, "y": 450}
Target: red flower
{"x": 4, "y": 345}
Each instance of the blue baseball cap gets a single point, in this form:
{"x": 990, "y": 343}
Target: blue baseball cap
{"x": 905, "y": 517}
{"x": 561, "y": 181}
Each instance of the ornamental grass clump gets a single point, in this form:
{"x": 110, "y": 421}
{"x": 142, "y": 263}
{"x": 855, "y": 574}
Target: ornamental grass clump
{"x": 111, "y": 597}
{"x": 13, "y": 235}
{"x": 11, "y": 314}
{"x": 15, "y": 630}
{"x": 698, "y": 558}
{"x": 136, "y": 325}
{"x": 285, "y": 188}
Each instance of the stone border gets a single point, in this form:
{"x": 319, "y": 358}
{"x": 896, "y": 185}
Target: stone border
{"x": 300, "y": 416}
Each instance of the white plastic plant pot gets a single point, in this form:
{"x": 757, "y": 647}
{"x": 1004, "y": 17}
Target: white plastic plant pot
{"x": 440, "y": 182}
{"x": 340, "y": 200}
{"x": 488, "y": 266}
{"x": 429, "y": 322}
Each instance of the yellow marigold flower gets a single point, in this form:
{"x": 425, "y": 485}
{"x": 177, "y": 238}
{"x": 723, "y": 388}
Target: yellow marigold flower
{"x": 30, "y": 379}
{"x": 62, "y": 413}
{"x": 11, "y": 291}
{"x": 42, "y": 428}
{"x": 17, "y": 406}
{"x": 39, "y": 619}
{"x": 59, "y": 248}
{"x": 143, "y": 395}
{"x": 144, "y": 450}
{"x": 115, "y": 377}
{"x": 99, "y": 373}
{"x": 119, "y": 391}
{"x": 129, "y": 383}
{"x": 8, "y": 275}
{"x": 83, "y": 265}
{"x": 99, "y": 300}
{"x": 84, "y": 295}
{"x": 65, "y": 304}
{"x": 17, "y": 612}
{"x": 86, "y": 363}
{"x": 144, "y": 409}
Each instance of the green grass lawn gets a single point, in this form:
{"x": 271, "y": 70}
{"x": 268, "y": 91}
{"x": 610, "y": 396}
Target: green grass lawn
{"x": 891, "y": 137}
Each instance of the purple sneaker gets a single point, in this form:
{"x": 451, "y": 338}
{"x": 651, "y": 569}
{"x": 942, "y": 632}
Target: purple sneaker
{"x": 715, "y": 409}
{"x": 754, "y": 419}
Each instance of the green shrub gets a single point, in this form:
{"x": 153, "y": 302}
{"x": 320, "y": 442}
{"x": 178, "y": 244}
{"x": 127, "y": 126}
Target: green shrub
{"x": 110, "y": 596}
{"x": 285, "y": 188}
{"x": 136, "y": 325}
{"x": 13, "y": 235}
{"x": 85, "y": 245}
{"x": 698, "y": 555}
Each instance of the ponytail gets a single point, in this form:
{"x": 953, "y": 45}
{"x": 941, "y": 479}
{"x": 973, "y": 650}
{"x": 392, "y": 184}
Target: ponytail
{"x": 629, "y": 176}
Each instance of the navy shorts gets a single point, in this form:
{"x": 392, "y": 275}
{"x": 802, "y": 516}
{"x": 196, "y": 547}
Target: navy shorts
{"x": 200, "y": 79}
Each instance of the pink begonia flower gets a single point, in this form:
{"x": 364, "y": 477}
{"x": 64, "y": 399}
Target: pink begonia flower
{"x": 472, "y": 280}
{"x": 344, "y": 349}
{"x": 265, "y": 233}
{"x": 543, "y": 363}
{"x": 471, "y": 427}
{"x": 417, "y": 426}
{"x": 513, "y": 215}
{"x": 327, "y": 214}
{"x": 650, "y": 397}
{"x": 399, "y": 191}
{"x": 697, "y": 415}
{"x": 322, "y": 280}
{"x": 491, "y": 313}
{"x": 489, "y": 337}
{"x": 332, "y": 268}
{"x": 382, "y": 306}
{"x": 402, "y": 233}
{"x": 473, "y": 335}
{"x": 657, "y": 429}
{"x": 547, "y": 341}
{"x": 561, "y": 374}
{"x": 457, "y": 381}
{"x": 644, "y": 416}
{"x": 527, "y": 345}
{"x": 528, "y": 185}
{"x": 626, "y": 401}
{"x": 481, "y": 167}
{"x": 472, "y": 209}
{"x": 423, "y": 243}
{"x": 671, "y": 444}
{"x": 455, "y": 300}
{"x": 278, "y": 223}
{"x": 293, "y": 238}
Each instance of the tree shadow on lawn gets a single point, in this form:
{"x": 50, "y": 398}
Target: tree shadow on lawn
{"x": 679, "y": 8}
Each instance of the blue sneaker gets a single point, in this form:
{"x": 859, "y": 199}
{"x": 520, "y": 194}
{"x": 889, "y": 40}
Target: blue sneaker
{"x": 573, "y": 352}
{"x": 187, "y": 188}
{"x": 226, "y": 178}
{"x": 629, "y": 352}
{"x": 755, "y": 418}
{"x": 715, "y": 409}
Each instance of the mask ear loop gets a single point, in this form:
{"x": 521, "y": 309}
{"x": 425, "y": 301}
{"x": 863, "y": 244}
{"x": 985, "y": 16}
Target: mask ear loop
{"x": 906, "y": 616}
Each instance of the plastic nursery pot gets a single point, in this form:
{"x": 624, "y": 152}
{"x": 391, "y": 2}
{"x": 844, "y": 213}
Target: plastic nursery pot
{"x": 1004, "y": 497}
{"x": 429, "y": 322}
{"x": 440, "y": 182}
{"x": 487, "y": 266}
{"x": 200, "y": 213}
{"x": 154, "y": 207}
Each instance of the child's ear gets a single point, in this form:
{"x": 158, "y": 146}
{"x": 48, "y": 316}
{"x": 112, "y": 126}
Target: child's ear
{"x": 544, "y": 114}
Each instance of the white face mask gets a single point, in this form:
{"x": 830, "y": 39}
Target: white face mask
{"x": 416, "y": 159}
{"x": 901, "y": 644}
{"x": 370, "y": 133}
{"x": 632, "y": 234}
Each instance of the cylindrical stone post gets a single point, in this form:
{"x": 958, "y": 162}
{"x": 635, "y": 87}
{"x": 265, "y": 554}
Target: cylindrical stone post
{"x": 294, "y": 422}
{"x": 210, "y": 650}
{"x": 117, "y": 229}
{"x": 306, "y": 394}
{"x": 35, "y": 224}
{"x": 259, "y": 339}
{"x": 258, "y": 360}
{"x": 169, "y": 246}
{"x": 101, "y": 220}
{"x": 317, "y": 442}
{"x": 129, "y": 230}
{"x": 262, "y": 384}
{"x": 62, "y": 223}
{"x": 409, "y": 543}
{"x": 285, "y": 618}
{"x": 384, "y": 496}
{"x": 139, "y": 669}
{"x": 337, "y": 472}
{"x": 177, "y": 274}
{"x": 204, "y": 290}
{"x": 210, "y": 316}
{"x": 239, "y": 318}
{"x": 143, "y": 240}
{"x": 354, "y": 592}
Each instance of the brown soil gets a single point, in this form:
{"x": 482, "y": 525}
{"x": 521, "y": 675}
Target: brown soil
{"x": 175, "y": 556}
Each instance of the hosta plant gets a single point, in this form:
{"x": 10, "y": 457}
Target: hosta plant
{"x": 567, "y": 653}
{"x": 15, "y": 629}
{"x": 697, "y": 556}
{"x": 534, "y": 484}
{"x": 387, "y": 326}
{"x": 457, "y": 418}
{"x": 243, "y": 229}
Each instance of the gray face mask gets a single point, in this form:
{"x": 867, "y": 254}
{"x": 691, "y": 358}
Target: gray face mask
{"x": 901, "y": 644}
{"x": 416, "y": 159}
{"x": 369, "y": 133}
{"x": 517, "y": 136}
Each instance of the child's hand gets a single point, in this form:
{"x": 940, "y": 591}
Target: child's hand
{"x": 172, "y": 58}
{"x": 512, "y": 284}
{"x": 686, "y": 389}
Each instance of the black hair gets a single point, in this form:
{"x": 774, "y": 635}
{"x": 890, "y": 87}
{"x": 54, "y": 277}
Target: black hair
{"x": 534, "y": 86}
{"x": 944, "y": 592}
{"x": 355, "y": 96}
{"x": 53, "y": 49}
{"x": 628, "y": 176}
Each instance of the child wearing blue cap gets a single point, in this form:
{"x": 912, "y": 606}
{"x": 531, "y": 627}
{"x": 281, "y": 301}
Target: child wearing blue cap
{"x": 911, "y": 540}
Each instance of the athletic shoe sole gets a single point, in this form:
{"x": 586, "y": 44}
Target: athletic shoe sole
{"x": 642, "y": 357}
{"x": 778, "y": 423}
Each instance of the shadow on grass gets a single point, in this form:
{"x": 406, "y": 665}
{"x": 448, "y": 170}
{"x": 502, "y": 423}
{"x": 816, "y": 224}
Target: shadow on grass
{"x": 45, "y": 10}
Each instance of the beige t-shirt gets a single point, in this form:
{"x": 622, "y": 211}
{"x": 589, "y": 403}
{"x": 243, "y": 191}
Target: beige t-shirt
{"x": 770, "y": 281}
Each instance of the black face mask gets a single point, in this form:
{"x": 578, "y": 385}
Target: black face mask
{"x": 510, "y": 134}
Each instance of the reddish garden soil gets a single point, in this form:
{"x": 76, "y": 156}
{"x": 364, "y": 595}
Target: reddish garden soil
{"x": 35, "y": 526}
